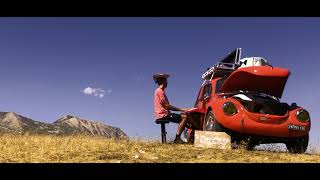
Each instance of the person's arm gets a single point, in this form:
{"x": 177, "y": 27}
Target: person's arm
{"x": 173, "y": 108}
{"x": 170, "y": 107}
{"x": 165, "y": 103}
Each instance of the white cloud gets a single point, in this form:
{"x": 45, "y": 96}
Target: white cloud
{"x": 96, "y": 92}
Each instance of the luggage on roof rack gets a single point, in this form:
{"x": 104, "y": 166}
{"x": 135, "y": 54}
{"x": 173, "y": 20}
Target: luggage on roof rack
{"x": 225, "y": 67}
{"x": 233, "y": 57}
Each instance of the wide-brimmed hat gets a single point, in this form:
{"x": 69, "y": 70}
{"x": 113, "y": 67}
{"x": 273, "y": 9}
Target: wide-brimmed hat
{"x": 160, "y": 76}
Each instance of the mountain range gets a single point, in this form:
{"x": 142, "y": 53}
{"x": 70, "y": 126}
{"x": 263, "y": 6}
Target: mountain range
{"x": 11, "y": 122}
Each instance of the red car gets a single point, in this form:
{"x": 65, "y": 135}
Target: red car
{"x": 241, "y": 97}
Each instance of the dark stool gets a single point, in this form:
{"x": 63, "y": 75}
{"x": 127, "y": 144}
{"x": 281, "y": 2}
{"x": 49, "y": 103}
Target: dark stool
{"x": 163, "y": 123}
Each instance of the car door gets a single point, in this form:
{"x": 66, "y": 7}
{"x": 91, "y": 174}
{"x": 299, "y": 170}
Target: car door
{"x": 199, "y": 100}
{"x": 200, "y": 106}
{"x": 207, "y": 92}
{"x": 203, "y": 97}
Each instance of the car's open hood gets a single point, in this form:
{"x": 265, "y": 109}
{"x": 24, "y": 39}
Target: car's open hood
{"x": 262, "y": 79}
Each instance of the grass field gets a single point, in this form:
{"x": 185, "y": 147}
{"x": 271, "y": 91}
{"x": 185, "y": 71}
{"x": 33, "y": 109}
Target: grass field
{"x": 42, "y": 149}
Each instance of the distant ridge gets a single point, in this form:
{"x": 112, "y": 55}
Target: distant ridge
{"x": 11, "y": 122}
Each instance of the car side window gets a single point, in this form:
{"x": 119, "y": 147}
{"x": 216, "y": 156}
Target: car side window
{"x": 219, "y": 84}
{"x": 199, "y": 97}
{"x": 203, "y": 93}
{"x": 207, "y": 91}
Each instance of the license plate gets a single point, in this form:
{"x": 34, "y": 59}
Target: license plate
{"x": 296, "y": 127}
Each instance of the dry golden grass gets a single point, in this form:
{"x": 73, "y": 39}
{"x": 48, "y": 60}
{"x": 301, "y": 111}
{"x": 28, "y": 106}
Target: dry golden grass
{"x": 34, "y": 149}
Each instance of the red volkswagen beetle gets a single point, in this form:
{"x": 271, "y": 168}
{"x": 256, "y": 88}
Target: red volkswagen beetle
{"x": 242, "y": 98}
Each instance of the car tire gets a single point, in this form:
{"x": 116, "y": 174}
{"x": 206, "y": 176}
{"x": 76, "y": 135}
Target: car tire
{"x": 250, "y": 145}
{"x": 211, "y": 123}
{"x": 298, "y": 145}
{"x": 188, "y": 138}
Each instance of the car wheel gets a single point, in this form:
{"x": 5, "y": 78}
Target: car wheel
{"x": 211, "y": 124}
{"x": 299, "y": 145}
{"x": 185, "y": 135}
{"x": 250, "y": 145}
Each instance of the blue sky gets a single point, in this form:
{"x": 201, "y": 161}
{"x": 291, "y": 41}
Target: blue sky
{"x": 46, "y": 63}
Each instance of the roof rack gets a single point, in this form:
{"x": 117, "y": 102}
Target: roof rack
{"x": 225, "y": 67}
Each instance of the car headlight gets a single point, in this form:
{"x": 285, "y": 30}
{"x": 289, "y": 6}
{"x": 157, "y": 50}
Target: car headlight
{"x": 229, "y": 108}
{"x": 303, "y": 115}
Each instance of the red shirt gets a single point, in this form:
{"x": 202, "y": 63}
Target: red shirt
{"x": 160, "y": 99}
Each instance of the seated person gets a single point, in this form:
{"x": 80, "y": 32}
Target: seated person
{"x": 162, "y": 107}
